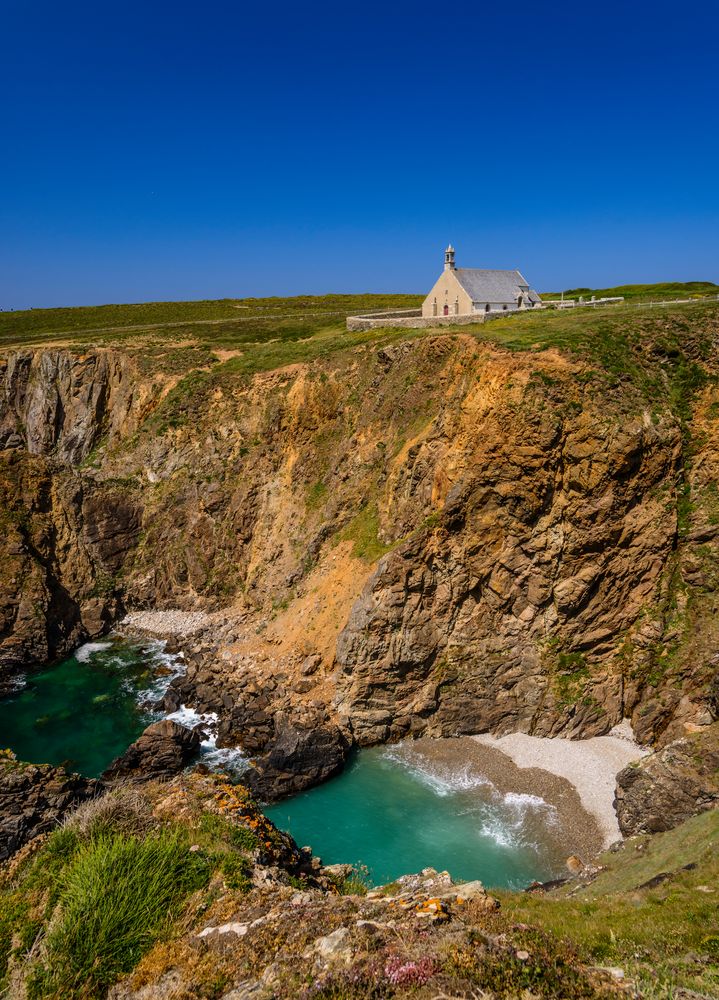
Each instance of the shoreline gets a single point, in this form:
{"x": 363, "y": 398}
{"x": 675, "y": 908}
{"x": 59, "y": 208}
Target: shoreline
{"x": 575, "y": 777}
{"x": 163, "y": 624}
{"x": 589, "y": 766}
{"x": 577, "y": 832}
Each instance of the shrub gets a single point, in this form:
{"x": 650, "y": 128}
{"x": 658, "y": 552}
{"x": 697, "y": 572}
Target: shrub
{"x": 243, "y": 838}
{"x": 356, "y": 883}
{"x": 120, "y": 811}
{"x": 228, "y": 832}
{"x": 404, "y": 972}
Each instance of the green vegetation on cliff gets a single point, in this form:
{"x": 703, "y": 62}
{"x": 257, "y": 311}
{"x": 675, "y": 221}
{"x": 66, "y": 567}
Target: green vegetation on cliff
{"x": 185, "y": 886}
{"x": 115, "y": 895}
{"x": 651, "y": 909}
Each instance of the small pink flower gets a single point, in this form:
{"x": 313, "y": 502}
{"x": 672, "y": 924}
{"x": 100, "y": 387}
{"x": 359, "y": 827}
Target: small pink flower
{"x": 405, "y": 973}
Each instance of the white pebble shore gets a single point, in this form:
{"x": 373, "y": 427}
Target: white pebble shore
{"x": 590, "y": 765}
{"x": 167, "y": 622}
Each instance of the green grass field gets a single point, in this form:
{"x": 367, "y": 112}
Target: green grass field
{"x": 224, "y": 320}
{"x": 661, "y": 291}
{"x": 234, "y": 322}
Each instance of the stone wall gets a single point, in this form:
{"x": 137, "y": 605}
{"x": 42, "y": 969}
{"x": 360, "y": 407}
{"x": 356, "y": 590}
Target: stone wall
{"x": 409, "y": 318}
{"x": 412, "y": 319}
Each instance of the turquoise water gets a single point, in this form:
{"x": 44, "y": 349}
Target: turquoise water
{"x": 86, "y": 710}
{"x": 396, "y": 811}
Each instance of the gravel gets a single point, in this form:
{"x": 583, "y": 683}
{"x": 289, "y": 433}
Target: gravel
{"x": 167, "y": 622}
{"x": 590, "y": 765}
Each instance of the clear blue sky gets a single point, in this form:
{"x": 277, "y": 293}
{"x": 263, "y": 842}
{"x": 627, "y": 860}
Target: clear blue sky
{"x": 155, "y": 150}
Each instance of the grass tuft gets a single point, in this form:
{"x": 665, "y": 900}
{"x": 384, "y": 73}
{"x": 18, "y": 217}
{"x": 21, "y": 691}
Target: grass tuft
{"x": 115, "y": 900}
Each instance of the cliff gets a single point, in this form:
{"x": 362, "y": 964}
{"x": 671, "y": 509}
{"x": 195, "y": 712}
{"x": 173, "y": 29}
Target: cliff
{"x": 457, "y": 535}
{"x": 377, "y": 535}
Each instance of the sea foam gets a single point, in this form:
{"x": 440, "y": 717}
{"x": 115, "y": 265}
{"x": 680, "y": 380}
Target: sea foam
{"x": 441, "y": 778}
{"x": 84, "y": 653}
{"x": 231, "y": 759}
{"x": 512, "y": 820}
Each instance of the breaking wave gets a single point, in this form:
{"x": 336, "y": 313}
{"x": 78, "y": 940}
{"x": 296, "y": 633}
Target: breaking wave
{"x": 441, "y": 778}
{"x": 84, "y": 653}
{"x": 230, "y": 759}
{"x": 511, "y": 820}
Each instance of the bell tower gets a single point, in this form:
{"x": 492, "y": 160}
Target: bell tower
{"x": 449, "y": 258}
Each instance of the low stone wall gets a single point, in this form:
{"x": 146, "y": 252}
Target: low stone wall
{"x": 411, "y": 319}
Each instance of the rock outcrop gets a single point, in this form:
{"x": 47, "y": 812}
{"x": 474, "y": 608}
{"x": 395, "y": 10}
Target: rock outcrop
{"x": 296, "y": 759}
{"x": 670, "y": 786}
{"x": 61, "y": 404}
{"x": 64, "y": 542}
{"x": 163, "y": 750}
{"x": 34, "y": 798}
{"x": 254, "y": 917}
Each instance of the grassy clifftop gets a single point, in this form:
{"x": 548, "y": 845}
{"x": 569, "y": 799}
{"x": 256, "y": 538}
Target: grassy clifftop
{"x": 226, "y": 320}
{"x": 241, "y": 337}
{"x": 185, "y": 890}
{"x": 229, "y": 320}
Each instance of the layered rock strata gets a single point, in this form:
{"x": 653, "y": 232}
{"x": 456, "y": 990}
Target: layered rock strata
{"x": 430, "y": 537}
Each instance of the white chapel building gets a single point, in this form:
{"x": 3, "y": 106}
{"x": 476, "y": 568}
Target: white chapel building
{"x": 462, "y": 291}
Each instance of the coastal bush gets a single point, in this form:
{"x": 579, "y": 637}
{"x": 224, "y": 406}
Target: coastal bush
{"x": 220, "y": 828}
{"x": 115, "y": 898}
{"x": 533, "y": 965}
{"x": 356, "y": 882}
{"x": 28, "y": 896}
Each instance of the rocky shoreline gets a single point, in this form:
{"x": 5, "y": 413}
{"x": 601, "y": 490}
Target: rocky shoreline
{"x": 296, "y": 742}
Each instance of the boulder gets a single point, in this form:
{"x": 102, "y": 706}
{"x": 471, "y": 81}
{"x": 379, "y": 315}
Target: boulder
{"x": 297, "y": 758}
{"x": 671, "y": 785}
{"x": 163, "y": 750}
{"x": 334, "y": 947}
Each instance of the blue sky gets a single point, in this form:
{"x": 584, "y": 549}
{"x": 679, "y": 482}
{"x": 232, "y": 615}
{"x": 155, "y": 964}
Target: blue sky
{"x": 180, "y": 151}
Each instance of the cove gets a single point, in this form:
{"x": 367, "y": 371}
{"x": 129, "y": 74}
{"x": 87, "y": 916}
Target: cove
{"x": 397, "y": 812}
{"x": 86, "y": 710}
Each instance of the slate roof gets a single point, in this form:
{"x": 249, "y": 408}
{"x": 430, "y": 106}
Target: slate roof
{"x": 494, "y": 286}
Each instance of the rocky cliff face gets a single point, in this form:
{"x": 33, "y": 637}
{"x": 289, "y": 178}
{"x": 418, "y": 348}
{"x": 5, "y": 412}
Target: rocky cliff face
{"x": 34, "y": 799}
{"x": 668, "y": 787}
{"x": 65, "y": 535}
{"x": 64, "y": 539}
{"x": 434, "y": 536}
{"x": 552, "y": 539}
{"x": 54, "y": 402}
